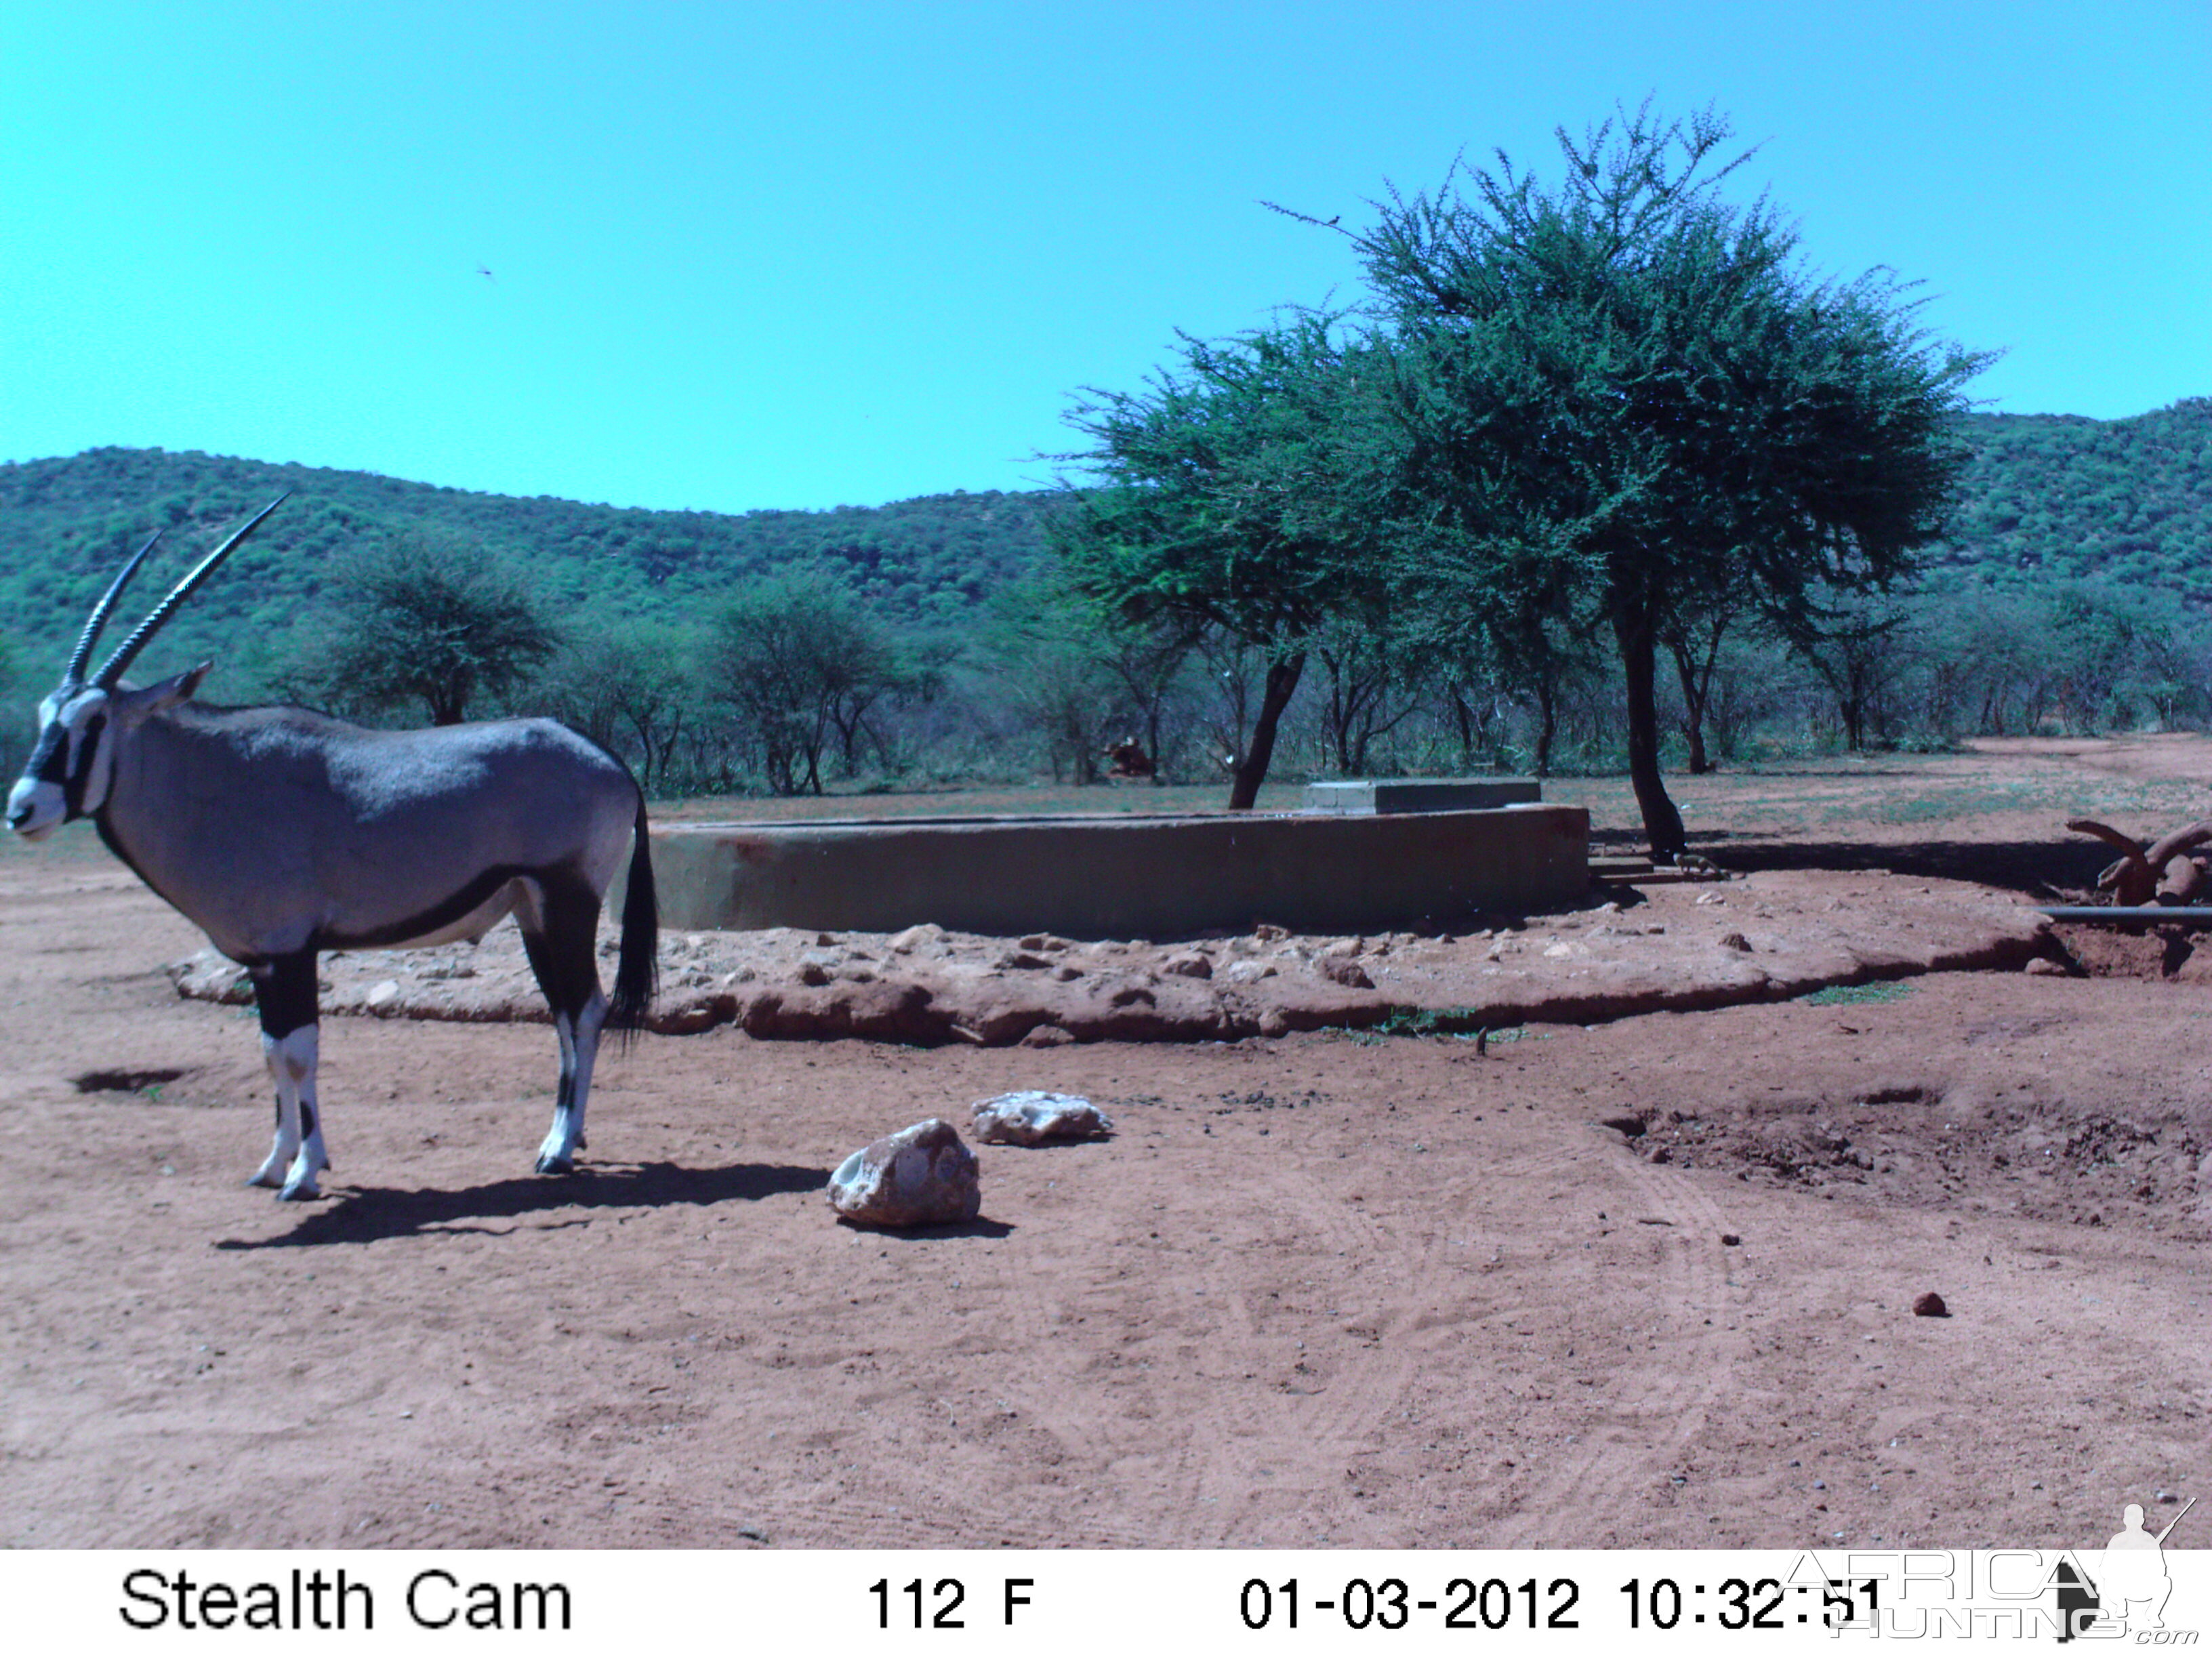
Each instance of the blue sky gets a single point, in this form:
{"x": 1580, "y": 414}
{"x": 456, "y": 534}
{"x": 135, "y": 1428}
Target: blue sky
{"x": 770, "y": 255}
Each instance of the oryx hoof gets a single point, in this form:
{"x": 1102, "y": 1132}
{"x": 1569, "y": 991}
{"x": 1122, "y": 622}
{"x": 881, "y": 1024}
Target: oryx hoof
{"x": 555, "y": 1164}
{"x": 300, "y": 1191}
{"x": 266, "y": 1178}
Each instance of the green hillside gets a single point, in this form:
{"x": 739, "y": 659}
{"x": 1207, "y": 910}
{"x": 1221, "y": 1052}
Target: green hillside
{"x": 2059, "y": 497}
{"x": 66, "y": 523}
{"x": 2047, "y": 498}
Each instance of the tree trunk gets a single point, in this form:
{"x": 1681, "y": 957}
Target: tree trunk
{"x": 1463, "y": 717}
{"x": 1252, "y": 770}
{"x": 1697, "y": 679}
{"x": 1547, "y": 721}
{"x": 448, "y": 704}
{"x": 1852, "y": 706}
{"x": 1632, "y": 629}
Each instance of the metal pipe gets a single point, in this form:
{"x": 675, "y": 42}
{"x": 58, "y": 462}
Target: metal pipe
{"x": 2196, "y": 915}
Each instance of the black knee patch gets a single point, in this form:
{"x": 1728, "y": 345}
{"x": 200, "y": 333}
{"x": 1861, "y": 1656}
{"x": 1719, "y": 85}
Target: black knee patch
{"x": 284, "y": 991}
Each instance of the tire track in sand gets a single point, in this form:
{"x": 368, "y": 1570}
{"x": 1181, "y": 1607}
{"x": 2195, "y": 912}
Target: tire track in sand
{"x": 1661, "y": 1400}
{"x": 1329, "y": 1413}
{"x": 1184, "y": 1464}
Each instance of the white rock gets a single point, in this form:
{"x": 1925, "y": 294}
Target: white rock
{"x": 384, "y": 993}
{"x": 1028, "y": 1116}
{"x": 921, "y": 1177}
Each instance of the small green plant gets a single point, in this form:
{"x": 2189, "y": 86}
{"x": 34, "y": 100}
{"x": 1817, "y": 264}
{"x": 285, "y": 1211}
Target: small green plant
{"x": 1464, "y": 1024}
{"x": 1434, "y": 1022}
{"x": 1887, "y": 990}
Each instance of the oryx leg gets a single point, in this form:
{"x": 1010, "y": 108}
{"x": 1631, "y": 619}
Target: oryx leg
{"x": 285, "y": 990}
{"x": 560, "y": 923}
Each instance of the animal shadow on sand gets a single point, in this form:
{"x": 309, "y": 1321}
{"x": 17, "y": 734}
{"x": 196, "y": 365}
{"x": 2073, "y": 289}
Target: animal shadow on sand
{"x": 981, "y": 1227}
{"x": 362, "y": 1215}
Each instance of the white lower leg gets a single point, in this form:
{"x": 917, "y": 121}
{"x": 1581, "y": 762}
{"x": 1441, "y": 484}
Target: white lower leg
{"x": 580, "y": 1046}
{"x": 315, "y": 1158}
{"x": 557, "y": 1153}
{"x": 286, "y": 1145}
{"x": 588, "y": 1054}
{"x": 293, "y": 1056}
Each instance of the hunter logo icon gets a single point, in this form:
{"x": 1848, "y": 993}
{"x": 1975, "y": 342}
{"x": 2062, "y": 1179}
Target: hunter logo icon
{"x": 2131, "y": 1585}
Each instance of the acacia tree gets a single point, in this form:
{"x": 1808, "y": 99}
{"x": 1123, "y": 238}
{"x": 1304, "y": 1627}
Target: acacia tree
{"x": 1240, "y": 494}
{"x": 1623, "y": 393}
{"x": 629, "y": 689}
{"x": 799, "y": 664}
{"x": 1859, "y": 652}
{"x": 1375, "y": 672}
{"x": 426, "y": 622}
{"x": 1044, "y": 642}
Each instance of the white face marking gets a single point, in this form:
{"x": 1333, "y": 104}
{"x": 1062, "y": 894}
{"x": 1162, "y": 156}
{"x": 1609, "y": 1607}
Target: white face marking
{"x": 35, "y": 806}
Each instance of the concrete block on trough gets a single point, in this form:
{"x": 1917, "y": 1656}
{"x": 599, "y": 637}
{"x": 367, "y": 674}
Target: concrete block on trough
{"x": 1371, "y": 795}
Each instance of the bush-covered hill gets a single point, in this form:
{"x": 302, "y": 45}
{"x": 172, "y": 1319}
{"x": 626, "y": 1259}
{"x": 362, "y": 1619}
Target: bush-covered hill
{"x": 65, "y": 524}
{"x": 2059, "y": 497}
{"x": 2047, "y": 498}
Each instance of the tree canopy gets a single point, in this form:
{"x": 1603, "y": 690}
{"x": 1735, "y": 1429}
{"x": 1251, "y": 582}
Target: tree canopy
{"x": 800, "y": 665}
{"x": 1239, "y": 492}
{"x": 1623, "y": 401}
{"x": 428, "y": 623}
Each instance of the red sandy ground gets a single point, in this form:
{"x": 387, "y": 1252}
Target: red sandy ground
{"x": 1322, "y": 1289}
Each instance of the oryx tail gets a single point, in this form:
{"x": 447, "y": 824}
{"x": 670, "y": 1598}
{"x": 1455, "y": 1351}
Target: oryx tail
{"x": 637, "y": 970}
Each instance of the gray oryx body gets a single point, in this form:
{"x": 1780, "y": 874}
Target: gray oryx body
{"x": 284, "y": 833}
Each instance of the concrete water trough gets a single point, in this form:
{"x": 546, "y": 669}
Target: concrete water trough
{"x": 1126, "y": 877}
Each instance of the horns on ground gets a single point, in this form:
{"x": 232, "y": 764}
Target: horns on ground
{"x": 73, "y": 674}
{"x": 111, "y": 670}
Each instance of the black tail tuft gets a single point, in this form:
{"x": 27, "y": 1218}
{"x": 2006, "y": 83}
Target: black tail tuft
{"x": 637, "y": 973}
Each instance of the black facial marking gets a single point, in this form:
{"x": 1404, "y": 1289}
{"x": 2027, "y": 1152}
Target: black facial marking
{"x": 73, "y": 786}
{"x": 49, "y": 762}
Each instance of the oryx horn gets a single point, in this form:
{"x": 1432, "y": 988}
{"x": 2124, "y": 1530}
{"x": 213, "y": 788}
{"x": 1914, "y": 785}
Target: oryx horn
{"x": 111, "y": 670}
{"x": 73, "y": 674}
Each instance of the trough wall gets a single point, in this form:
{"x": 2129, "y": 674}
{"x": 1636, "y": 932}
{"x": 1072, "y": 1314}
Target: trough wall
{"x": 1123, "y": 878}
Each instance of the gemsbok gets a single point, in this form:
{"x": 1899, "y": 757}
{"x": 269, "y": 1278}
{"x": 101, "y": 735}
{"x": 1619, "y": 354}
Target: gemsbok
{"x": 284, "y": 833}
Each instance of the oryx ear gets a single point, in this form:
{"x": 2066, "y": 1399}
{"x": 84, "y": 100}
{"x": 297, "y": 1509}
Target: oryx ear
{"x": 132, "y": 706}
